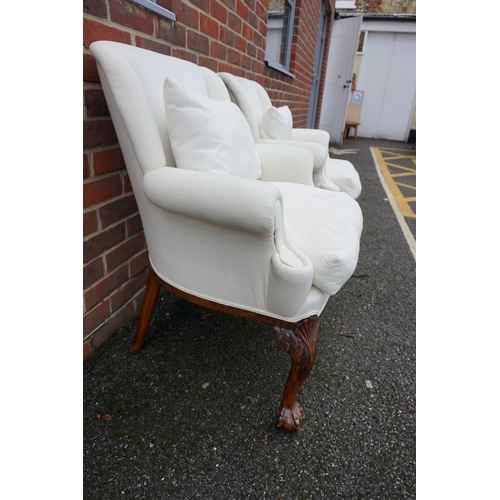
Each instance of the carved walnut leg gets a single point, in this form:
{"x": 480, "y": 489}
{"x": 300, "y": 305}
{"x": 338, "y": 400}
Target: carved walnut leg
{"x": 150, "y": 297}
{"x": 301, "y": 347}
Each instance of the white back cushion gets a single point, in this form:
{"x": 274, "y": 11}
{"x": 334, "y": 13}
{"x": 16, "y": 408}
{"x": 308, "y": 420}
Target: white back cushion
{"x": 277, "y": 123}
{"x": 209, "y": 135}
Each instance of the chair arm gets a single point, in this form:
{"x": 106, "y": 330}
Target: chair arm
{"x": 280, "y": 163}
{"x": 222, "y": 238}
{"x": 320, "y": 154}
{"x": 224, "y": 200}
{"x": 311, "y": 135}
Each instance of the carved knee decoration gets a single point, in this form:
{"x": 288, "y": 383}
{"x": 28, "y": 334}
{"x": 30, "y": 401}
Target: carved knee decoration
{"x": 300, "y": 344}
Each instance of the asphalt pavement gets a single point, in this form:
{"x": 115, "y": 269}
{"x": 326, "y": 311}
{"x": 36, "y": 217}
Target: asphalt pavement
{"x": 193, "y": 416}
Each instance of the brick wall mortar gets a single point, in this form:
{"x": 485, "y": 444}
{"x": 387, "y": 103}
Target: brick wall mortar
{"x": 112, "y": 248}
{"x": 220, "y": 34}
{"x": 100, "y": 227}
{"x": 111, "y": 175}
{"x": 135, "y": 299}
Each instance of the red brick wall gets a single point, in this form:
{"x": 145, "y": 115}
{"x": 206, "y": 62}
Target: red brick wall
{"x": 407, "y": 7}
{"x": 223, "y": 35}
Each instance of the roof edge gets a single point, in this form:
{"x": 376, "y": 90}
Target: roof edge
{"x": 378, "y": 17}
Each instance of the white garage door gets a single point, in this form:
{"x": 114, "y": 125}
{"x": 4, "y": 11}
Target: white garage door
{"x": 388, "y": 77}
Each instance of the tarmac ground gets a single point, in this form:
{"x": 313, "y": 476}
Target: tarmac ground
{"x": 194, "y": 414}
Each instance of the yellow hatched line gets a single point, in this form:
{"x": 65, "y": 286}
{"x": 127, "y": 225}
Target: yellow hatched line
{"x": 394, "y": 149}
{"x": 398, "y": 157}
{"x": 377, "y": 159}
{"x": 393, "y": 152}
{"x": 406, "y": 186}
{"x": 395, "y": 165}
{"x": 400, "y": 200}
{"x": 405, "y": 174}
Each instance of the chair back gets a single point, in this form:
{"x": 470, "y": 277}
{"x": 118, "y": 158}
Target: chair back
{"x": 250, "y": 97}
{"x": 132, "y": 80}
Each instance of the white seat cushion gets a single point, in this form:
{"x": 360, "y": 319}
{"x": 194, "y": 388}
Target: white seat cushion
{"x": 209, "y": 135}
{"x": 277, "y": 123}
{"x": 326, "y": 226}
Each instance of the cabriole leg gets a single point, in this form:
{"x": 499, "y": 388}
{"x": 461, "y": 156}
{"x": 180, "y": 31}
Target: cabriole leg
{"x": 300, "y": 345}
{"x": 150, "y": 297}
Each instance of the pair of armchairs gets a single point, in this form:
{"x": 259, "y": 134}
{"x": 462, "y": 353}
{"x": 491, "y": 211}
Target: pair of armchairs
{"x": 231, "y": 223}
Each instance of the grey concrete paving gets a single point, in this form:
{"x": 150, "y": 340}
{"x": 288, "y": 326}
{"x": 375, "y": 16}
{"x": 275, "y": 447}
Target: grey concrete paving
{"x": 154, "y": 429}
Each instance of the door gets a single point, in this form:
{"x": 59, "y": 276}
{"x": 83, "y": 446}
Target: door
{"x": 388, "y": 77}
{"x": 338, "y": 78}
{"x": 320, "y": 46}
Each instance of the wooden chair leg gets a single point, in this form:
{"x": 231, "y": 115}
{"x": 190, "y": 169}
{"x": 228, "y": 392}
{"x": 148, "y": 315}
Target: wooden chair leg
{"x": 300, "y": 345}
{"x": 150, "y": 297}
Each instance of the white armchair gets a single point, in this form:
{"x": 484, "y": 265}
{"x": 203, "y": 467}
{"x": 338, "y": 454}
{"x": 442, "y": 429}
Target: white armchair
{"x": 275, "y": 126}
{"x": 229, "y": 224}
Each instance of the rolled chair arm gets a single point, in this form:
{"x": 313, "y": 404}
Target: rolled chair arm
{"x": 283, "y": 163}
{"x": 224, "y": 200}
{"x": 320, "y": 154}
{"x": 248, "y": 244}
{"x": 321, "y": 137}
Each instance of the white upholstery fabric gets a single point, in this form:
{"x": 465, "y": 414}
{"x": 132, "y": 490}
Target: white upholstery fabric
{"x": 326, "y": 227}
{"x": 209, "y": 135}
{"x": 277, "y": 123}
{"x": 340, "y": 175}
{"x": 328, "y": 173}
{"x": 250, "y": 99}
{"x": 269, "y": 248}
{"x": 233, "y": 203}
{"x": 285, "y": 163}
{"x": 320, "y": 154}
{"x": 216, "y": 239}
{"x": 321, "y": 137}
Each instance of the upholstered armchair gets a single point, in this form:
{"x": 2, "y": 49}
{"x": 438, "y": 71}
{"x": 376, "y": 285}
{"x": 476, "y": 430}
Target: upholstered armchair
{"x": 275, "y": 125}
{"x": 229, "y": 224}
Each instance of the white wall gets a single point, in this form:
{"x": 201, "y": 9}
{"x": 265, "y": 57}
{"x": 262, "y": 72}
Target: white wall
{"x": 387, "y": 74}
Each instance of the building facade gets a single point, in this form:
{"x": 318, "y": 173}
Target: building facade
{"x": 384, "y": 68}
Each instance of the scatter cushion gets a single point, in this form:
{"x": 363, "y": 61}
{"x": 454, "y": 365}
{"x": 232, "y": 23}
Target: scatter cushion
{"x": 277, "y": 123}
{"x": 209, "y": 135}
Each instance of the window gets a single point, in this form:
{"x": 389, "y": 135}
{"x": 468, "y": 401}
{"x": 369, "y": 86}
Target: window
{"x": 279, "y": 34}
{"x": 151, "y": 5}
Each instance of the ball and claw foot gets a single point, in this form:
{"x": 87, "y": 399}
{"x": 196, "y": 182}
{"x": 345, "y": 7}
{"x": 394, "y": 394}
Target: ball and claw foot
{"x": 291, "y": 418}
{"x": 300, "y": 344}
{"x": 135, "y": 348}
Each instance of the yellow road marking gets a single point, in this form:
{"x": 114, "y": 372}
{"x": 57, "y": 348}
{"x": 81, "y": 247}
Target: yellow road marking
{"x": 406, "y": 186}
{"x": 404, "y": 174}
{"x": 399, "y": 198}
{"x": 406, "y": 169}
{"x": 379, "y": 161}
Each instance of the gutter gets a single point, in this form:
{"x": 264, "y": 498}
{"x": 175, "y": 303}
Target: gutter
{"x": 375, "y": 17}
